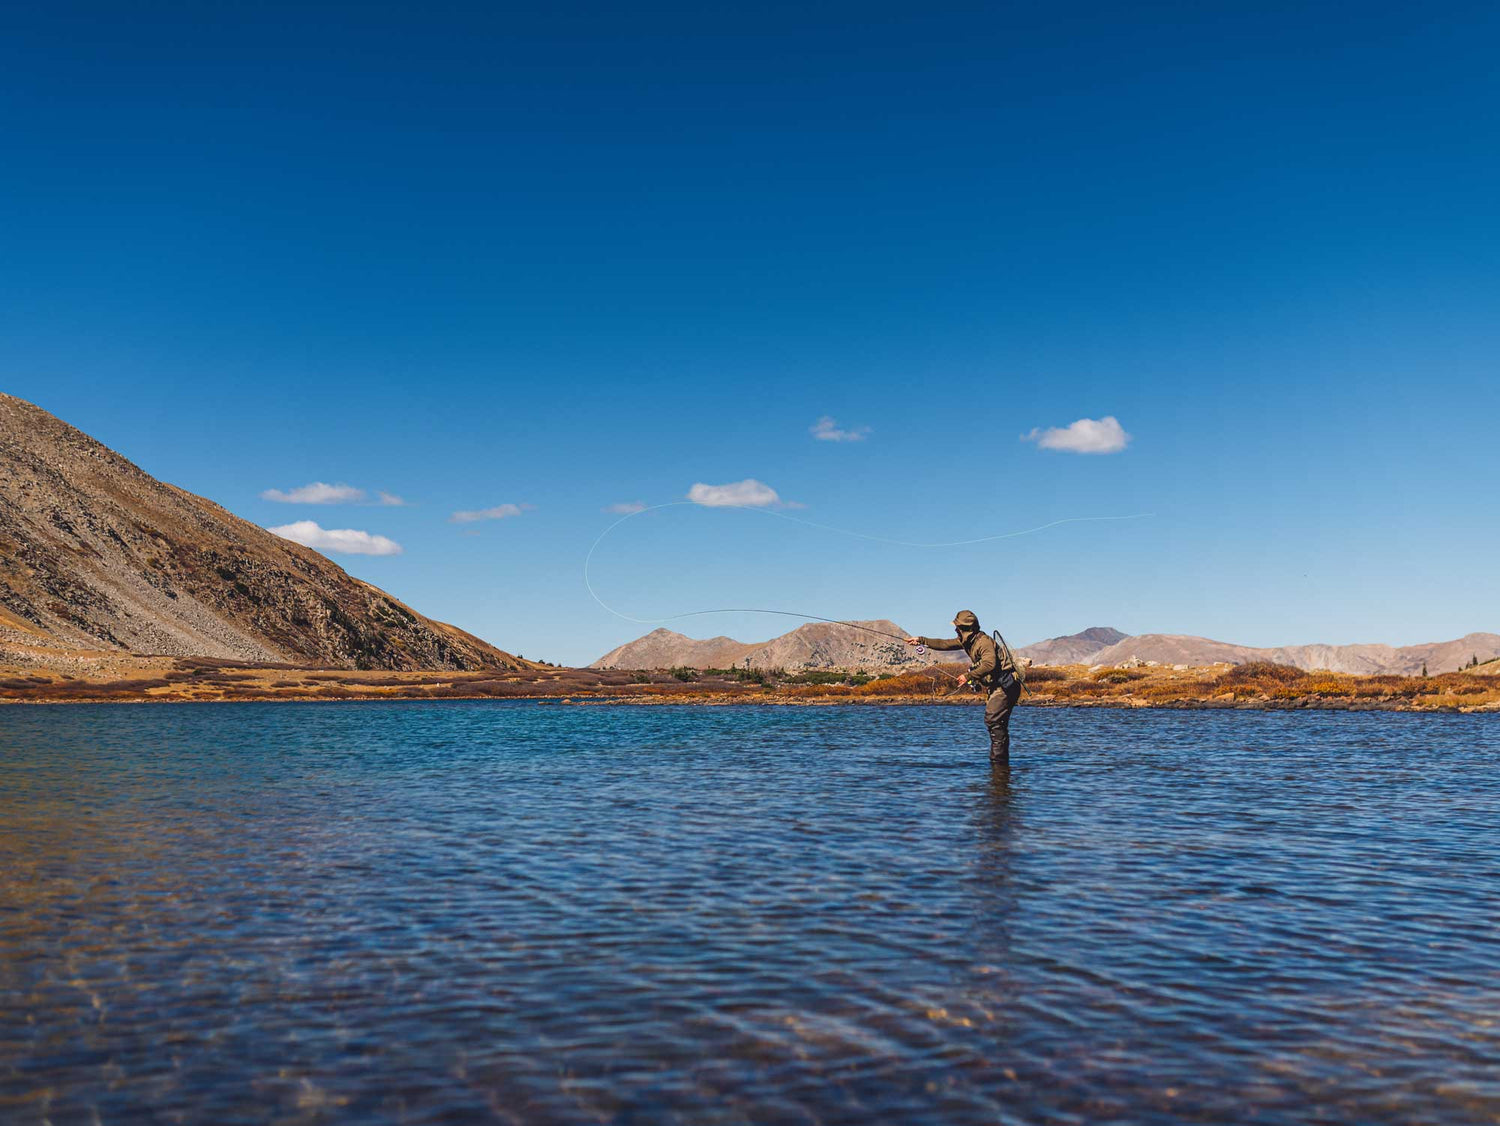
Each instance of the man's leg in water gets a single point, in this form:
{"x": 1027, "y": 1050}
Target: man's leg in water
{"x": 997, "y": 711}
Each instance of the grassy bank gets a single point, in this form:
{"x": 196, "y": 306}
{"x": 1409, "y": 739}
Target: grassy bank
{"x": 111, "y": 678}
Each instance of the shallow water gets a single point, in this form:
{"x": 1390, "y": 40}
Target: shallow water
{"x": 509, "y": 912}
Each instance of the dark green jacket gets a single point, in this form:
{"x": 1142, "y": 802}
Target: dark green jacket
{"x": 984, "y": 661}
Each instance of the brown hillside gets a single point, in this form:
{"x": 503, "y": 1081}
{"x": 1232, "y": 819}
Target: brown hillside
{"x": 96, "y": 554}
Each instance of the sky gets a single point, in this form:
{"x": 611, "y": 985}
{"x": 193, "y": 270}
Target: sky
{"x": 926, "y": 273}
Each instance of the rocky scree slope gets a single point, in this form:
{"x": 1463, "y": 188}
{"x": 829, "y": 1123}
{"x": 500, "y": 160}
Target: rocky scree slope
{"x": 96, "y": 554}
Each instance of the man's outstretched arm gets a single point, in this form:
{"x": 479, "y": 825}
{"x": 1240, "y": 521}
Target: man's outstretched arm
{"x": 936, "y": 643}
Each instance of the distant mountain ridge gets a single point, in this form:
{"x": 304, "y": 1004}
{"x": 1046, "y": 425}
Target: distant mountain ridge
{"x": 667, "y": 649}
{"x": 97, "y": 555}
{"x": 817, "y": 645}
{"x": 833, "y": 646}
{"x": 1177, "y": 649}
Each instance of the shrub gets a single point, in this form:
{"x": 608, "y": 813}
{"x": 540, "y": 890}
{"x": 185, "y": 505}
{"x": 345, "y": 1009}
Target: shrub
{"x": 1328, "y": 686}
{"x": 1041, "y": 675}
{"x": 1085, "y": 688}
{"x": 1166, "y": 692}
{"x": 907, "y": 684}
{"x": 1180, "y": 690}
{"x": 1119, "y": 676}
{"x": 805, "y": 691}
{"x": 741, "y": 675}
{"x": 1261, "y": 672}
{"x": 829, "y": 676}
{"x": 683, "y": 673}
{"x": 24, "y": 682}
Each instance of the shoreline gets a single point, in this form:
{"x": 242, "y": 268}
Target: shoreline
{"x": 687, "y": 700}
{"x": 128, "y": 679}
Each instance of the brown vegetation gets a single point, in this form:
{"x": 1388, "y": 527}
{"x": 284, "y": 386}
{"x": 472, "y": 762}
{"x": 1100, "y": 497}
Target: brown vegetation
{"x": 1259, "y": 685}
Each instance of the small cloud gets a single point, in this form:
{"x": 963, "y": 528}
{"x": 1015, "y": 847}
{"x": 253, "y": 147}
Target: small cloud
{"x": 318, "y": 492}
{"x": 826, "y": 429}
{"x": 345, "y": 541}
{"x": 748, "y": 493}
{"x": 1086, "y": 436}
{"x": 627, "y": 508}
{"x": 391, "y": 500}
{"x": 499, "y": 512}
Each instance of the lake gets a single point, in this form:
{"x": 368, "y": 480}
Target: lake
{"x": 516, "y": 912}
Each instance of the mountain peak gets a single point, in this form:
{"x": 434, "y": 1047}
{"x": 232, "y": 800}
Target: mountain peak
{"x": 813, "y": 645}
{"x": 1074, "y": 648}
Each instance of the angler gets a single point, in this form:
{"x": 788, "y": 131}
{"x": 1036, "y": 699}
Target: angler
{"x": 992, "y": 669}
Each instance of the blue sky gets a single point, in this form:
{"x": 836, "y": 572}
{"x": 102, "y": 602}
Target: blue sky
{"x": 582, "y": 255}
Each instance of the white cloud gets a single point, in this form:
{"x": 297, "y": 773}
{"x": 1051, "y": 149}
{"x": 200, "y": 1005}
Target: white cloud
{"x": 1086, "y": 436}
{"x": 346, "y": 541}
{"x": 826, "y": 429}
{"x": 748, "y": 493}
{"x": 499, "y": 512}
{"x": 391, "y": 500}
{"x": 627, "y": 508}
{"x": 318, "y": 492}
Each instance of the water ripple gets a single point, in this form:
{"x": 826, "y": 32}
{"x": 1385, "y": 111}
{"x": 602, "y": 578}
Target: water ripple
{"x": 518, "y": 913}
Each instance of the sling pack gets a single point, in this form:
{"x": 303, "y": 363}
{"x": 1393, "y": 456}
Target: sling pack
{"x": 1006, "y": 665}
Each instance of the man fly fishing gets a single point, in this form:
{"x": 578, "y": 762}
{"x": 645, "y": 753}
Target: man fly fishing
{"x": 992, "y": 669}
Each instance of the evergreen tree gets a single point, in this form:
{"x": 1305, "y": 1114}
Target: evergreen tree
{"x": 1424, "y": 668}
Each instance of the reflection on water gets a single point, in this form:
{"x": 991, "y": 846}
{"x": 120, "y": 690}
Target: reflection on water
{"x": 522, "y": 913}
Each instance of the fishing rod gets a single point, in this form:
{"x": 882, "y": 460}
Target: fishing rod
{"x": 920, "y": 649}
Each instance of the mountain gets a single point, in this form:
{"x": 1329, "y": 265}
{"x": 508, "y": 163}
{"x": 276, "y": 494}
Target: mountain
{"x": 1074, "y": 649}
{"x": 835, "y": 646}
{"x": 826, "y": 645}
{"x": 1174, "y": 649}
{"x": 1179, "y": 649}
{"x": 96, "y": 554}
{"x": 666, "y": 649}
{"x": 817, "y": 645}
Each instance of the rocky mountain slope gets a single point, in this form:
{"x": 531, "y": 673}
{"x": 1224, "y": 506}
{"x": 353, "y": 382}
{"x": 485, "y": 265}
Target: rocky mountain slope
{"x": 825, "y": 645}
{"x": 1074, "y": 649}
{"x": 667, "y": 649}
{"x": 817, "y": 645}
{"x": 97, "y": 555}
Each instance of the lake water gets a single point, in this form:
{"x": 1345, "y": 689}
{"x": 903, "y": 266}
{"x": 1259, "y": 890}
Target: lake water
{"x": 508, "y": 912}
